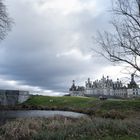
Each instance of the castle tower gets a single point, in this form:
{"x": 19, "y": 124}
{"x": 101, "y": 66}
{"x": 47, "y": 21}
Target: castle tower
{"x": 132, "y": 77}
{"x": 73, "y": 82}
{"x": 88, "y": 80}
{"x": 132, "y": 82}
{"x": 73, "y": 87}
{"x": 89, "y": 85}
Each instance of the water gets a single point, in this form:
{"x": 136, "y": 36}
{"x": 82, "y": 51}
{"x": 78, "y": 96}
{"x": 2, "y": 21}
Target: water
{"x": 37, "y": 113}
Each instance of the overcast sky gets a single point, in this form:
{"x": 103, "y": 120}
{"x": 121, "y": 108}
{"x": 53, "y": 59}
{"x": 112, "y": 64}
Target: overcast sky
{"x": 50, "y": 44}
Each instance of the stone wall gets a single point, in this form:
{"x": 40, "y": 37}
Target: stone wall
{"x": 13, "y": 97}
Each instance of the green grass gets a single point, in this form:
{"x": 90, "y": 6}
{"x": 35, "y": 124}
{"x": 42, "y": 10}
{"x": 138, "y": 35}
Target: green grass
{"x": 80, "y": 102}
{"x": 122, "y": 105}
{"x": 89, "y": 105}
{"x": 83, "y": 103}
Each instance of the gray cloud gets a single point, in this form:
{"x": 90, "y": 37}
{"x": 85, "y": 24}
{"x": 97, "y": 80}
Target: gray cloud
{"x": 50, "y": 46}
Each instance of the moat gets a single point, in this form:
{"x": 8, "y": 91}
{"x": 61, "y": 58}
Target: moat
{"x": 37, "y": 113}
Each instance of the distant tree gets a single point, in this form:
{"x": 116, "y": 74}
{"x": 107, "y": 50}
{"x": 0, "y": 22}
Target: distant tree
{"x": 5, "y": 21}
{"x": 123, "y": 43}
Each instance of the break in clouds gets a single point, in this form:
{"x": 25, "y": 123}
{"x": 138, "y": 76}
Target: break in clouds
{"x": 50, "y": 44}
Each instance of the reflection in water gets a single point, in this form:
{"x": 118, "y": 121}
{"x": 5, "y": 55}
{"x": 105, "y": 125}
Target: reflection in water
{"x": 37, "y": 113}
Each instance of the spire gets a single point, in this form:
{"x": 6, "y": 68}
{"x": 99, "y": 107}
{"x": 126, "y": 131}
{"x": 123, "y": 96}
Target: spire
{"x": 73, "y": 81}
{"x": 73, "y": 87}
{"x": 88, "y": 80}
{"x": 132, "y": 77}
{"x": 132, "y": 82}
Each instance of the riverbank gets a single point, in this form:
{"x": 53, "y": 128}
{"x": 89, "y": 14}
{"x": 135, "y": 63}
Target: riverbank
{"x": 107, "y": 120}
{"x": 66, "y": 128}
{"x": 111, "y": 108}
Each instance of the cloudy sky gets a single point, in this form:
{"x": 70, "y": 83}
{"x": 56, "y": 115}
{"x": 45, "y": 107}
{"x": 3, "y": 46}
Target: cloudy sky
{"x": 50, "y": 44}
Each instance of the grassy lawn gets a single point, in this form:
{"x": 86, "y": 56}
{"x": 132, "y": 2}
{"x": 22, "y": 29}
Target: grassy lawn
{"x": 79, "y": 102}
{"x": 83, "y": 102}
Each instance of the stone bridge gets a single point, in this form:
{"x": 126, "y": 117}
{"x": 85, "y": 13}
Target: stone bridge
{"x": 13, "y": 97}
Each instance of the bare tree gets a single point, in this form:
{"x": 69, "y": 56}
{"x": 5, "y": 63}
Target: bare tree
{"x": 5, "y": 21}
{"x": 123, "y": 43}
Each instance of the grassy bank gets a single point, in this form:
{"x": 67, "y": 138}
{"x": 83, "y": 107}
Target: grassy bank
{"x": 83, "y": 102}
{"x": 110, "y": 108}
{"x": 60, "y": 128}
{"x": 92, "y": 106}
{"x": 66, "y": 101}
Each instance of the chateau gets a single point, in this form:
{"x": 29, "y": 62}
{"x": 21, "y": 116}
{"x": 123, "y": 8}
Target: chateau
{"x": 106, "y": 87}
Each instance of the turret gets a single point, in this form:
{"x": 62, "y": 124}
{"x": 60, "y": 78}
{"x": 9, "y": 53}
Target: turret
{"x": 132, "y": 82}
{"x": 132, "y": 78}
{"x": 73, "y": 82}
{"x": 73, "y": 87}
{"x": 88, "y": 80}
{"x": 89, "y": 84}
{"x": 107, "y": 77}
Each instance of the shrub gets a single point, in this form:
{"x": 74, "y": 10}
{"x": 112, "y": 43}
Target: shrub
{"x": 113, "y": 114}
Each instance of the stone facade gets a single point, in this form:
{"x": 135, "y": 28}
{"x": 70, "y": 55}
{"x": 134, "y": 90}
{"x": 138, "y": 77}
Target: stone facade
{"x": 106, "y": 87}
{"x": 12, "y": 97}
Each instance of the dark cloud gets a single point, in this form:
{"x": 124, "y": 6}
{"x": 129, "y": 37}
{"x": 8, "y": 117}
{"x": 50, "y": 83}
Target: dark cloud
{"x": 49, "y": 48}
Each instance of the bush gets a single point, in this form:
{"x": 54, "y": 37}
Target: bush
{"x": 113, "y": 114}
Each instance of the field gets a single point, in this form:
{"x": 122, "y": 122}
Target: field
{"x": 107, "y": 120}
